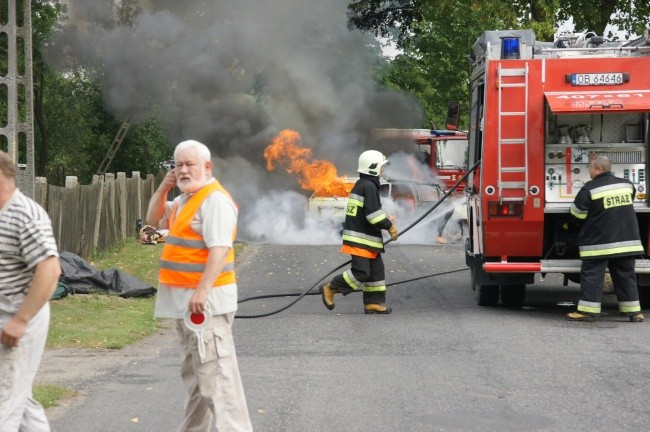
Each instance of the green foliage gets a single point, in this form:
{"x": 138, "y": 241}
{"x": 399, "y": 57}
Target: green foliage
{"x": 144, "y": 148}
{"x": 73, "y": 121}
{"x": 80, "y": 132}
{"x": 434, "y": 64}
{"x": 385, "y": 18}
{"x": 631, "y": 16}
{"x": 541, "y": 17}
{"x": 437, "y": 35}
{"x": 74, "y": 131}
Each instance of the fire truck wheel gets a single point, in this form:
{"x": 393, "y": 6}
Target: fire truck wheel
{"x": 513, "y": 296}
{"x": 486, "y": 295}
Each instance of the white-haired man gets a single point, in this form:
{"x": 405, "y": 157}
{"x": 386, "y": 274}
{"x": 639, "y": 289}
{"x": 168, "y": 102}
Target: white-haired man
{"x": 197, "y": 275}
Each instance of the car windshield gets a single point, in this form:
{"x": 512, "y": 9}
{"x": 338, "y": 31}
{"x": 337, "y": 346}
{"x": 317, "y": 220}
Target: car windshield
{"x": 412, "y": 192}
{"x": 451, "y": 153}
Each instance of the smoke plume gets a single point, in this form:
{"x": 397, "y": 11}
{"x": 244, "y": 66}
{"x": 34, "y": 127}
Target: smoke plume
{"x": 232, "y": 74}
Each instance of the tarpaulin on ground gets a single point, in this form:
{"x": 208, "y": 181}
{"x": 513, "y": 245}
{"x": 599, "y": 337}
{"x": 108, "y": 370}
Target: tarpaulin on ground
{"x": 82, "y": 278}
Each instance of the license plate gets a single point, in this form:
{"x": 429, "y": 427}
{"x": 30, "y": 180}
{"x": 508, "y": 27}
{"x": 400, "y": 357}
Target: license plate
{"x": 587, "y": 79}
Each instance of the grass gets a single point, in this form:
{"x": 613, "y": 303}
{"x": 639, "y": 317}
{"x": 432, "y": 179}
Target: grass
{"x": 99, "y": 321}
{"x": 105, "y": 320}
{"x": 50, "y": 395}
{"x": 102, "y": 320}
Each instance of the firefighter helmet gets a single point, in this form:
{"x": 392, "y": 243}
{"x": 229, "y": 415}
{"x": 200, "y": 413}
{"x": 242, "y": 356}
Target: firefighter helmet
{"x": 371, "y": 161}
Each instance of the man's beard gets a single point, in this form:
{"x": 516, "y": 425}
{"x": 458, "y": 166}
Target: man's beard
{"x": 191, "y": 186}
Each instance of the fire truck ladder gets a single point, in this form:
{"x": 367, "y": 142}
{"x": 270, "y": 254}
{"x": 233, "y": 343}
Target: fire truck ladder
{"x": 518, "y": 83}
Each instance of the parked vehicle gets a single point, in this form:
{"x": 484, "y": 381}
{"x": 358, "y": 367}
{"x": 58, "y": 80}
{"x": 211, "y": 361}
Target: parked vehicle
{"x": 443, "y": 151}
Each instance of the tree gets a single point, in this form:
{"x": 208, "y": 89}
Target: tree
{"x": 396, "y": 18}
{"x": 434, "y": 65}
{"x": 73, "y": 127}
{"x": 630, "y": 16}
{"x": 436, "y": 36}
{"x": 45, "y": 19}
{"x": 392, "y": 18}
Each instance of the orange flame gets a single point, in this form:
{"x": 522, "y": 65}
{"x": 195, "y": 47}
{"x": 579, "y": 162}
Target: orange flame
{"x": 318, "y": 176}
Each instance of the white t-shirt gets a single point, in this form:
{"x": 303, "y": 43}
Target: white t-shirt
{"x": 215, "y": 221}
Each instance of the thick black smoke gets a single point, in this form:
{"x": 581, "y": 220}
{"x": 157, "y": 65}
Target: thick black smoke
{"x": 232, "y": 74}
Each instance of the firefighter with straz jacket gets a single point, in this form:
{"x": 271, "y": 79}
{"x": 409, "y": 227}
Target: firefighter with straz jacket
{"x": 362, "y": 239}
{"x": 609, "y": 238}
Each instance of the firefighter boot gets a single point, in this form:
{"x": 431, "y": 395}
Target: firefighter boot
{"x": 637, "y": 317}
{"x": 327, "y": 294}
{"x": 375, "y": 308}
{"x": 579, "y": 316}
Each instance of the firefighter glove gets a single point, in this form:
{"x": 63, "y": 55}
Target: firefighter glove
{"x": 393, "y": 232}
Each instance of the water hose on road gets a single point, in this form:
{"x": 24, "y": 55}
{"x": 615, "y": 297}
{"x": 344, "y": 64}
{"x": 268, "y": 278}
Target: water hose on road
{"x": 307, "y": 291}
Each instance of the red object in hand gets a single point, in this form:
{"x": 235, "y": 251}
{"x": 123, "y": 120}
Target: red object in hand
{"x": 197, "y": 319}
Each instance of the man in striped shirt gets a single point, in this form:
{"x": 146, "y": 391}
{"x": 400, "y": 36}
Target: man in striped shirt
{"x": 29, "y": 273}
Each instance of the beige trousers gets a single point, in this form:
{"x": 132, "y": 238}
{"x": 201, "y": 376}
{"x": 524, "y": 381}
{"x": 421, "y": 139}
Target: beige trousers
{"x": 212, "y": 382}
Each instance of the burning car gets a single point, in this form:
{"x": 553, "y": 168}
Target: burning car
{"x": 403, "y": 199}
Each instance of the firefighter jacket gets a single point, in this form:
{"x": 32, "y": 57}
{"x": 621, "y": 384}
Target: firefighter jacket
{"x": 610, "y": 227}
{"x": 364, "y": 218}
{"x": 185, "y": 253}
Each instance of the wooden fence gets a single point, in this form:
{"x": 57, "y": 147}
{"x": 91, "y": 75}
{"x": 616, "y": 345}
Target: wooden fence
{"x": 92, "y": 218}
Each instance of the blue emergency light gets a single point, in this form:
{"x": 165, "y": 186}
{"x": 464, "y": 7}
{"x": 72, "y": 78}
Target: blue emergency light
{"x": 510, "y": 48}
{"x": 437, "y": 132}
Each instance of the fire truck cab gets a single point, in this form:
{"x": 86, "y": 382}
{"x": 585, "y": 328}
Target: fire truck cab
{"x": 444, "y": 151}
{"x": 538, "y": 112}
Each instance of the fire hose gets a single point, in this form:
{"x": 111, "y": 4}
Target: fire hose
{"x": 308, "y": 291}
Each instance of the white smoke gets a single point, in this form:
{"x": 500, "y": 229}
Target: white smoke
{"x": 407, "y": 166}
{"x": 280, "y": 217}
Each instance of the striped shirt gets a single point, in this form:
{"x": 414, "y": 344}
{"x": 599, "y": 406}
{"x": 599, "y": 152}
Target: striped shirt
{"x": 26, "y": 238}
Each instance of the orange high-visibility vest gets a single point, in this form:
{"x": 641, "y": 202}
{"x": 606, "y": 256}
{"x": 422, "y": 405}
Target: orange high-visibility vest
{"x": 185, "y": 254}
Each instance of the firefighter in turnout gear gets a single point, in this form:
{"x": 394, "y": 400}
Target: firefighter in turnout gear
{"x": 362, "y": 239}
{"x": 609, "y": 238}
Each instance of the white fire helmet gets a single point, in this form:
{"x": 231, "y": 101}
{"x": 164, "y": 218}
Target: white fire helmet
{"x": 371, "y": 161}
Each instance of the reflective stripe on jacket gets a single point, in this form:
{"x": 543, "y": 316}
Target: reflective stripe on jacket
{"x": 364, "y": 217}
{"x": 610, "y": 227}
{"x": 185, "y": 254}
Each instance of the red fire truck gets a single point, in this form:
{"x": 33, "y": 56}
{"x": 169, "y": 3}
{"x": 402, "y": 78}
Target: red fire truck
{"x": 538, "y": 111}
{"x": 443, "y": 150}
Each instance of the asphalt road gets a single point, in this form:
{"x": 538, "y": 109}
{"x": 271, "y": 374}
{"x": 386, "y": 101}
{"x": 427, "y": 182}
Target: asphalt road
{"x": 438, "y": 363}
